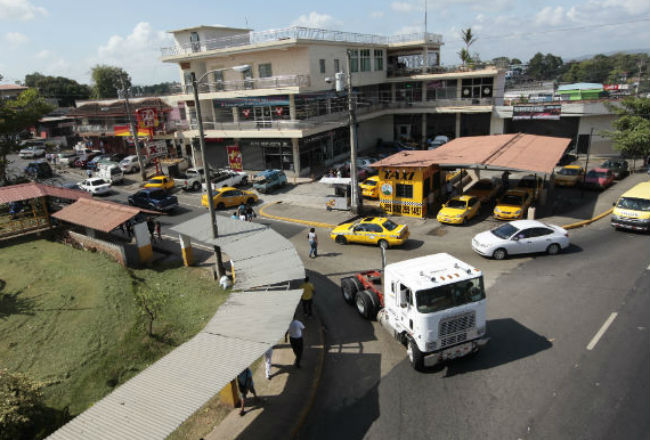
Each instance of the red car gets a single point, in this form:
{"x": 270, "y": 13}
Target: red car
{"x": 600, "y": 178}
{"x": 82, "y": 161}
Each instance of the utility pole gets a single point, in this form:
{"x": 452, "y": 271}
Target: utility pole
{"x": 354, "y": 178}
{"x": 208, "y": 184}
{"x": 134, "y": 131}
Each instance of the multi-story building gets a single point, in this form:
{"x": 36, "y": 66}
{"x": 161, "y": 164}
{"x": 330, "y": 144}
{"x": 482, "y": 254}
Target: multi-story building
{"x": 271, "y": 93}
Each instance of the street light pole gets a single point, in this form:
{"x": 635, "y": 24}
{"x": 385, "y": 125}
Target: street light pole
{"x": 206, "y": 171}
{"x": 354, "y": 178}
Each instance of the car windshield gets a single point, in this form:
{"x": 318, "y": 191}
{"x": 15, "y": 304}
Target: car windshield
{"x": 511, "y": 199}
{"x": 450, "y": 295}
{"x": 634, "y": 204}
{"x": 98, "y": 182}
{"x": 389, "y": 225}
{"x": 482, "y": 185}
{"x": 569, "y": 171}
{"x": 596, "y": 174}
{"x": 370, "y": 182}
{"x": 504, "y": 231}
{"x": 155, "y": 181}
{"x": 611, "y": 164}
{"x": 158, "y": 195}
{"x": 455, "y": 203}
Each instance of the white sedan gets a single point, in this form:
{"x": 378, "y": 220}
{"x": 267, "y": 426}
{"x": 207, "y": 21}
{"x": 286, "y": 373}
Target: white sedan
{"x": 96, "y": 185}
{"x": 520, "y": 237}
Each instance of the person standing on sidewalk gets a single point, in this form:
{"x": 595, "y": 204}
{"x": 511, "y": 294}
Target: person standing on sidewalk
{"x": 151, "y": 226}
{"x": 268, "y": 355}
{"x": 307, "y": 297}
{"x": 313, "y": 243}
{"x": 158, "y": 230}
{"x": 295, "y": 337}
{"x": 245, "y": 384}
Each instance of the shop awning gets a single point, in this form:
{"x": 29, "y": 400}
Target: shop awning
{"x": 98, "y": 215}
{"x": 514, "y": 152}
{"x": 32, "y": 190}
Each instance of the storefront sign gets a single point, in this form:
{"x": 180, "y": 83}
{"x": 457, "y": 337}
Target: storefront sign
{"x": 147, "y": 118}
{"x": 387, "y": 189}
{"x": 234, "y": 158}
{"x": 528, "y": 112}
{"x": 398, "y": 174}
{"x": 125, "y": 130}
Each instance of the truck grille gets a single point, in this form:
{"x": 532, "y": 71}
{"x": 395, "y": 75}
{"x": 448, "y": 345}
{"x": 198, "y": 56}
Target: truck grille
{"x": 453, "y": 330}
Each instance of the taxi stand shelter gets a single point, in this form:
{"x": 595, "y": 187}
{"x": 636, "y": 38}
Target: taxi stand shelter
{"x": 410, "y": 182}
{"x": 340, "y": 200}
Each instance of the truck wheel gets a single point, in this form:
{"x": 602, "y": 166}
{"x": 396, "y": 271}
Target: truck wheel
{"x": 416, "y": 358}
{"x": 383, "y": 244}
{"x": 349, "y": 288}
{"x": 367, "y": 304}
{"x": 499, "y": 254}
{"x": 196, "y": 186}
{"x": 340, "y": 239}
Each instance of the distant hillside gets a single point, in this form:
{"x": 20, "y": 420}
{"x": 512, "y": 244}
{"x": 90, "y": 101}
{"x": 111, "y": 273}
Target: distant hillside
{"x": 610, "y": 53}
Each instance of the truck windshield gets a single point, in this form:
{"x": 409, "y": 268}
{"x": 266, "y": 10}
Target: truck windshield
{"x": 450, "y": 295}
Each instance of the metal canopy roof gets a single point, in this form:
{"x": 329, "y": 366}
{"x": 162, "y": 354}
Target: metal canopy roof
{"x": 99, "y": 215}
{"x": 516, "y": 152}
{"x": 31, "y": 190}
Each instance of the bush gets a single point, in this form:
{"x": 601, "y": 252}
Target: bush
{"x": 20, "y": 402}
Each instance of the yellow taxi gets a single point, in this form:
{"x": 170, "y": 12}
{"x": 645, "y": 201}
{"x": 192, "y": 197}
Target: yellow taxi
{"x": 162, "y": 182}
{"x": 228, "y": 196}
{"x": 569, "y": 175}
{"x": 459, "y": 210}
{"x": 370, "y": 187}
{"x": 532, "y": 184}
{"x": 371, "y": 230}
{"x": 513, "y": 205}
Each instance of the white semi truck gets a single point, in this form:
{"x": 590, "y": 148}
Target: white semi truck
{"x": 434, "y": 305}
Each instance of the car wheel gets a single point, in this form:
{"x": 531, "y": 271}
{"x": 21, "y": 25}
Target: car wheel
{"x": 464, "y": 220}
{"x": 349, "y": 289}
{"x": 383, "y": 244}
{"x": 340, "y": 239}
{"x": 220, "y": 205}
{"x": 196, "y": 186}
{"x": 416, "y": 358}
{"x": 553, "y": 249}
{"x": 499, "y": 254}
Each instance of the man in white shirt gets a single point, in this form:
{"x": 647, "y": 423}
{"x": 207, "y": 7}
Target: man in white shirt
{"x": 295, "y": 337}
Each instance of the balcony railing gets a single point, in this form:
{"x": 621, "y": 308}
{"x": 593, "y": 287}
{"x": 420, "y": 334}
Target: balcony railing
{"x": 294, "y": 33}
{"x": 254, "y": 125}
{"x": 274, "y": 82}
{"x": 397, "y": 71}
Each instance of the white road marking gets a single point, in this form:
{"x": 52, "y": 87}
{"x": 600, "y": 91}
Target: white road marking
{"x": 602, "y": 331}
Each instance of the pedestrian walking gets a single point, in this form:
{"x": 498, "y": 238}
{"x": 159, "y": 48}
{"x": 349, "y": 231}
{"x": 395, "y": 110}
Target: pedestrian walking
{"x": 245, "y": 384}
{"x": 307, "y": 297}
{"x": 505, "y": 180}
{"x": 268, "y": 355}
{"x": 158, "y": 230}
{"x": 89, "y": 173}
{"x": 313, "y": 243}
{"x": 250, "y": 214}
{"x": 129, "y": 228}
{"x": 295, "y": 338}
{"x": 122, "y": 228}
{"x": 241, "y": 210}
{"x": 151, "y": 226}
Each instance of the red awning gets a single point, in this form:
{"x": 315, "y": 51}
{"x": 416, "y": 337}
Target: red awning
{"x": 32, "y": 190}
{"x": 98, "y": 215}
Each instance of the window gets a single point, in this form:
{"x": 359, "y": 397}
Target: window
{"x": 194, "y": 42}
{"x": 354, "y": 60}
{"x": 265, "y": 70}
{"x": 379, "y": 60}
{"x": 477, "y": 88}
{"x": 365, "y": 60}
{"x": 337, "y": 65}
{"x": 217, "y": 78}
{"x": 374, "y": 228}
{"x": 405, "y": 191}
{"x": 321, "y": 64}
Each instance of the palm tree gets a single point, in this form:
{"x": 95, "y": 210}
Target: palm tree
{"x": 469, "y": 39}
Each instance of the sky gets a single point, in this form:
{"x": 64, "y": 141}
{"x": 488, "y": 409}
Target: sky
{"x": 67, "y": 38}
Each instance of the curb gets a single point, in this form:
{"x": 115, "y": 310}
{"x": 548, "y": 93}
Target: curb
{"x": 293, "y": 220}
{"x": 314, "y": 386}
{"x": 587, "y": 222}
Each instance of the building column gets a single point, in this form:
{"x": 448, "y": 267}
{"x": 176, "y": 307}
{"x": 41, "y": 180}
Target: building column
{"x": 392, "y": 92}
{"x": 496, "y": 124}
{"x": 235, "y": 114}
{"x": 295, "y": 143}
{"x": 229, "y": 395}
{"x": 186, "y": 249}
{"x": 424, "y": 130}
{"x": 292, "y": 107}
{"x": 143, "y": 241}
{"x": 457, "y": 135}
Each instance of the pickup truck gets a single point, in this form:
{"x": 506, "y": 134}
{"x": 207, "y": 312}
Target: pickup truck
{"x": 188, "y": 181}
{"x": 154, "y": 198}
{"x": 31, "y": 152}
{"x": 226, "y": 178}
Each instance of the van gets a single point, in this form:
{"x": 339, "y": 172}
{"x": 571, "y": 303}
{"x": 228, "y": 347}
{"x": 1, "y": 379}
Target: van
{"x": 632, "y": 209}
{"x": 112, "y": 173}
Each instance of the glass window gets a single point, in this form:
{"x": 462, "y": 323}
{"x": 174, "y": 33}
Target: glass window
{"x": 402, "y": 190}
{"x": 379, "y": 60}
{"x": 194, "y": 40}
{"x": 354, "y": 60}
{"x": 321, "y": 64}
{"x": 364, "y": 60}
{"x": 337, "y": 65}
{"x": 265, "y": 70}
{"x": 450, "y": 295}
{"x": 374, "y": 228}
{"x": 505, "y": 231}
{"x": 634, "y": 203}
{"x": 390, "y": 225}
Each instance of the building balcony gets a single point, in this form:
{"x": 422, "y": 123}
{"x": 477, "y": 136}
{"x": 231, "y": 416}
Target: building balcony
{"x": 407, "y": 70}
{"x": 273, "y": 82}
{"x": 296, "y": 33}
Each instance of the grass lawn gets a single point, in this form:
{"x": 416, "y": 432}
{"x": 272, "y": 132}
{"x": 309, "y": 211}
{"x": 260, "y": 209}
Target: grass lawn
{"x": 70, "y": 319}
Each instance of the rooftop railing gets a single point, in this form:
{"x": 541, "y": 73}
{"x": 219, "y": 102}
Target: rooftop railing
{"x": 273, "y": 82}
{"x": 296, "y": 33}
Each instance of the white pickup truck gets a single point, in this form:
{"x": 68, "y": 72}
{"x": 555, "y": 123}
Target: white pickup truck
{"x": 190, "y": 180}
{"x": 223, "y": 178}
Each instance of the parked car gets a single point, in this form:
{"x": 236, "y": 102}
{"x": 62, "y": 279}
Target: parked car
{"x": 67, "y": 158}
{"x": 531, "y": 183}
{"x": 117, "y": 157}
{"x": 618, "y": 167}
{"x": 154, "y": 198}
{"x": 223, "y": 178}
{"x": 38, "y": 170}
{"x": 459, "y": 210}
{"x": 92, "y": 164}
{"x": 371, "y": 230}
{"x": 599, "y": 178}
{"x": 513, "y": 205}
{"x": 269, "y": 180}
{"x": 521, "y": 237}
{"x": 31, "y": 152}
{"x": 570, "y": 175}
{"x": 437, "y": 141}
{"x": 370, "y": 187}
{"x": 82, "y": 161}
{"x": 188, "y": 181}
{"x": 228, "y": 196}
{"x": 130, "y": 164}
{"x": 485, "y": 189}
{"x": 96, "y": 186}
{"x": 162, "y": 182}
{"x": 111, "y": 171}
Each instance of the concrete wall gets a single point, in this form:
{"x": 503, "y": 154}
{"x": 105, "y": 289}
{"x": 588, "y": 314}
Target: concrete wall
{"x": 599, "y": 144}
{"x": 369, "y": 131}
{"x": 114, "y": 251}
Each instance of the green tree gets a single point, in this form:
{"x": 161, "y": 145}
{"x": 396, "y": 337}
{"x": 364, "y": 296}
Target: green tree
{"x": 468, "y": 38}
{"x": 151, "y": 302}
{"x": 17, "y": 115}
{"x": 515, "y": 61}
{"x": 544, "y": 67}
{"x": 107, "y": 80}
{"x": 64, "y": 90}
{"x": 164, "y": 88}
{"x": 631, "y": 134}
{"x": 21, "y": 400}
{"x": 501, "y": 62}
